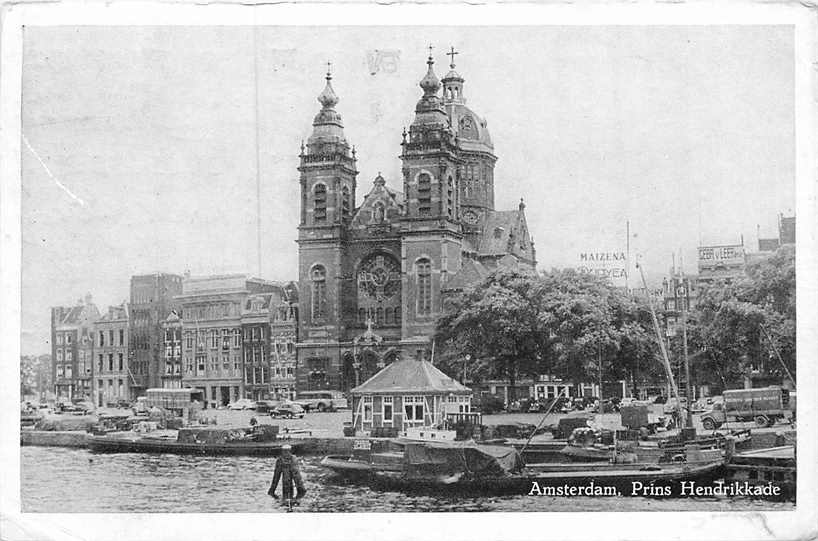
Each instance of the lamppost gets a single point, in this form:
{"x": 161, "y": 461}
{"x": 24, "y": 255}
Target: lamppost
{"x": 466, "y": 359}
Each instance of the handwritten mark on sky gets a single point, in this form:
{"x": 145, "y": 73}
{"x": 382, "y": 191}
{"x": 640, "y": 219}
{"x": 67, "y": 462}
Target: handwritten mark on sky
{"x": 62, "y": 186}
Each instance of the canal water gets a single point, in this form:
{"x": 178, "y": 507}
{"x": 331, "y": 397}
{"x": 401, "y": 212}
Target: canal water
{"x": 58, "y": 480}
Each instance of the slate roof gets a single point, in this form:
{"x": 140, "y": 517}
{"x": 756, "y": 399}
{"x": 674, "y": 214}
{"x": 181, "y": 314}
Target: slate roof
{"x": 500, "y": 225}
{"x": 410, "y": 376}
{"x": 471, "y": 272}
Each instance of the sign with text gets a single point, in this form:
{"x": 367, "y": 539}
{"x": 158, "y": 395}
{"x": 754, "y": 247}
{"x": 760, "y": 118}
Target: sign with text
{"x": 711, "y": 256}
{"x": 612, "y": 265}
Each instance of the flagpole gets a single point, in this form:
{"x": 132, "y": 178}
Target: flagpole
{"x": 628, "y": 254}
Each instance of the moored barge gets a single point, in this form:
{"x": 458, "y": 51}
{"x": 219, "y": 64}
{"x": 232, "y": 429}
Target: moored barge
{"x": 197, "y": 441}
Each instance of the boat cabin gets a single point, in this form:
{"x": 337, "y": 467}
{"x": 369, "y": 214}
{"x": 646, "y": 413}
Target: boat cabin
{"x": 407, "y": 394}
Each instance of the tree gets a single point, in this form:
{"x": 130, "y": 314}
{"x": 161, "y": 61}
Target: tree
{"x": 495, "y": 321}
{"x": 562, "y": 323}
{"x": 731, "y": 322}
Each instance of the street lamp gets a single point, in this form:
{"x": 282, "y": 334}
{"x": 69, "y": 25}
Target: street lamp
{"x": 466, "y": 359}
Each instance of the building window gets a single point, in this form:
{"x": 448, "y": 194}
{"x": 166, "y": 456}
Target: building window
{"x": 68, "y": 371}
{"x": 320, "y": 206}
{"x": 387, "y": 410}
{"x": 67, "y": 338}
{"x": 290, "y": 348}
{"x": 59, "y": 339}
{"x": 101, "y": 338}
{"x": 200, "y": 364}
{"x": 236, "y": 364}
{"x": 413, "y": 410}
{"x": 111, "y": 336}
{"x": 99, "y": 363}
{"x": 214, "y": 339}
{"x": 424, "y": 272}
{"x": 236, "y": 338}
{"x": 121, "y": 337}
{"x": 189, "y": 340}
{"x": 60, "y": 371}
{"x": 226, "y": 363}
{"x": 319, "y": 292}
{"x": 367, "y": 409}
{"x": 69, "y": 355}
{"x": 225, "y": 339}
{"x": 110, "y": 362}
{"x": 59, "y": 355}
{"x": 121, "y": 361}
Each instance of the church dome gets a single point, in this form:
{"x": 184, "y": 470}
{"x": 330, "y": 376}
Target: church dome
{"x": 471, "y": 130}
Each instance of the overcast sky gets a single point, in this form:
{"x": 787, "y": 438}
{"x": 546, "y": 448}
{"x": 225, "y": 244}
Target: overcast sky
{"x": 143, "y": 141}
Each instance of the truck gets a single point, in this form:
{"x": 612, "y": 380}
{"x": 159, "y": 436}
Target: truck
{"x": 764, "y": 406}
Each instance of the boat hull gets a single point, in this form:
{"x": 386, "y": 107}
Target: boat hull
{"x": 600, "y": 479}
{"x": 105, "y": 444}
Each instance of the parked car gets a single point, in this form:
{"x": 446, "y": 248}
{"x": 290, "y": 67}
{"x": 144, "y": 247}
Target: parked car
{"x": 266, "y": 406}
{"x": 322, "y": 400}
{"x": 242, "y": 404}
{"x": 288, "y": 410}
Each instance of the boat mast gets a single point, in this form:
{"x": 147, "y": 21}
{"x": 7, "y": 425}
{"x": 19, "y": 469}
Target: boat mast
{"x": 666, "y": 361}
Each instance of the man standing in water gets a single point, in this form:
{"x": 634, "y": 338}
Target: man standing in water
{"x": 287, "y": 471}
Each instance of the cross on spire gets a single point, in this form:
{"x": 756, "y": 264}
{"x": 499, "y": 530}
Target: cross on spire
{"x": 329, "y": 70}
{"x": 452, "y": 53}
{"x": 430, "y": 55}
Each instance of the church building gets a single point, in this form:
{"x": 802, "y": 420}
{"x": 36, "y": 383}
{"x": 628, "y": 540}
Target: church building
{"x": 373, "y": 277}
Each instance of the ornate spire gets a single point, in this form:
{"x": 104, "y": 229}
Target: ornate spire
{"x": 430, "y": 83}
{"x": 453, "y": 83}
{"x": 327, "y": 98}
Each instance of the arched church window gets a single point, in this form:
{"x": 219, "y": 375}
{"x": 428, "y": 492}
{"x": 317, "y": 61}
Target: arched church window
{"x": 320, "y": 204}
{"x": 424, "y": 287}
{"x": 319, "y": 292}
{"x": 345, "y": 202}
{"x": 379, "y": 316}
{"x": 424, "y": 194}
{"x": 450, "y": 197}
{"x": 387, "y": 316}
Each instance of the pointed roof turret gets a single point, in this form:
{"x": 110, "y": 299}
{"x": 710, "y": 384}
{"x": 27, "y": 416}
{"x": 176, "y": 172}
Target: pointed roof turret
{"x": 328, "y": 128}
{"x": 429, "y": 109}
{"x": 327, "y": 98}
{"x": 430, "y": 83}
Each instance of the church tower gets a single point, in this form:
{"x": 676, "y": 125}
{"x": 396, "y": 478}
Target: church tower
{"x": 431, "y": 243}
{"x": 476, "y": 153}
{"x": 430, "y": 162}
{"x": 328, "y": 185}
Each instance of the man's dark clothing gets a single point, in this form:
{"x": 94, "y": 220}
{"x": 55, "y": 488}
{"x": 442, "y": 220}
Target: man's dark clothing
{"x": 288, "y": 472}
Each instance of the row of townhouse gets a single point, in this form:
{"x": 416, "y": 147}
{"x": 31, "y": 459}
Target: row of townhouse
{"x": 230, "y": 336}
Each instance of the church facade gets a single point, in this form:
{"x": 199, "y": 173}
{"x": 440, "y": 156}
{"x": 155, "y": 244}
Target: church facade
{"x": 373, "y": 277}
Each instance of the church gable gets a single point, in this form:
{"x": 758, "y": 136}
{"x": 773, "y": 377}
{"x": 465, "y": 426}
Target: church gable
{"x": 381, "y": 206}
{"x": 506, "y": 234}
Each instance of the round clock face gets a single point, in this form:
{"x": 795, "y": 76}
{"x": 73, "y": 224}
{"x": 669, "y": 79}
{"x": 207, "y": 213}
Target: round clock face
{"x": 470, "y": 217}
